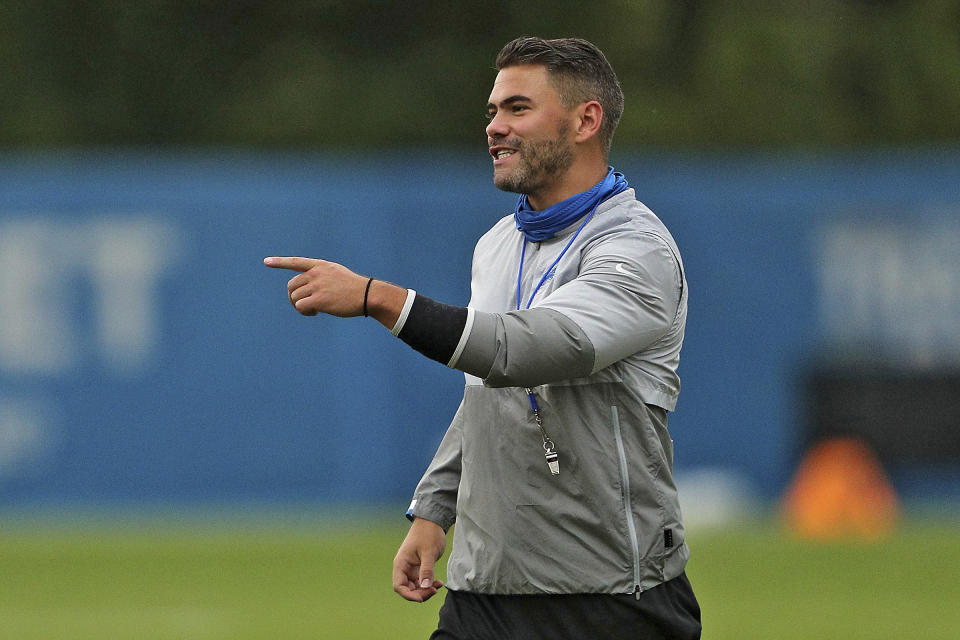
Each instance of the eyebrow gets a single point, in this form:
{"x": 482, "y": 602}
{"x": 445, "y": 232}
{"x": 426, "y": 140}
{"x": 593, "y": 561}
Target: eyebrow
{"x": 508, "y": 101}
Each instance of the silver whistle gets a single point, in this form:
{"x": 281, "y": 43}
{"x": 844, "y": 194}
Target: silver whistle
{"x": 553, "y": 462}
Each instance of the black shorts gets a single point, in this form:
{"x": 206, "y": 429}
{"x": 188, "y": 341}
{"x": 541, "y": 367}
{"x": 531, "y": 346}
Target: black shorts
{"x": 667, "y": 611}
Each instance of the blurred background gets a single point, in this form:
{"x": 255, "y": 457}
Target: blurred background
{"x": 806, "y": 157}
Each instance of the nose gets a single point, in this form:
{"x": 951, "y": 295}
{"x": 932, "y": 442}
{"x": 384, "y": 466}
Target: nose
{"x": 497, "y": 127}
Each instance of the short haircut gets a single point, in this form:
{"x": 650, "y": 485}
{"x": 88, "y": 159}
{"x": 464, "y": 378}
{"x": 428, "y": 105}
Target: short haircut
{"x": 578, "y": 71}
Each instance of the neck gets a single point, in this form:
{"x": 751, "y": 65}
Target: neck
{"x": 538, "y": 225}
{"x": 575, "y": 180}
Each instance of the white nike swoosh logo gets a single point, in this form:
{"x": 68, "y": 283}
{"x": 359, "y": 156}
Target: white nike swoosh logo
{"x": 625, "y": 272}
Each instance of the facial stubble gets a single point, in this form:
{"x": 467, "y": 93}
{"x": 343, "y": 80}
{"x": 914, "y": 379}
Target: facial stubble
{"x": 541, "y": 163}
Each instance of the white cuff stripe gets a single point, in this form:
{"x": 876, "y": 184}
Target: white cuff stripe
{"x": 402, "y": 320}
{"x": 463, "y": 339}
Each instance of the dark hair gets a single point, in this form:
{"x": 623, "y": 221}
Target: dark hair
{"x": 578, "y": 71}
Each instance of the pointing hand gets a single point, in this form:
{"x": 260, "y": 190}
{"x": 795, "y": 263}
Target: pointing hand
{"x": 322, "y": 287}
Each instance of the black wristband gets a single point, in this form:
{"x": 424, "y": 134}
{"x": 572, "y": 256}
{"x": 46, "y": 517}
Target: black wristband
{"x": 433, "y": 328}
{"x": 366, "y": 292}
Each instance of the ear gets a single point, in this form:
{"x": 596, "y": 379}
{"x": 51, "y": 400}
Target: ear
{"x": 589, "y": 118}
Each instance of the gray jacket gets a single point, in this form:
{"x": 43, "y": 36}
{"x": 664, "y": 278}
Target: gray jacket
{"x": 600, "y": 346}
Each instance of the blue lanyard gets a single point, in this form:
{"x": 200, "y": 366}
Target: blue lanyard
{"x": 543, "y": 279}
{"x": 553, "y": 461}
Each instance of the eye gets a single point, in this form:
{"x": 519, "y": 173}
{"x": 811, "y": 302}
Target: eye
{"x": 517, "y": 108}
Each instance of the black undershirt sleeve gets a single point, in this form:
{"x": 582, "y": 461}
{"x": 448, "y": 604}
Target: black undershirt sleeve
{"x": 434, "y": 328}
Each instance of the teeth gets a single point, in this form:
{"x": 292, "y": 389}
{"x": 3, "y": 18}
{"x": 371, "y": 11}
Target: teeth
{"x": 504, "y": 154}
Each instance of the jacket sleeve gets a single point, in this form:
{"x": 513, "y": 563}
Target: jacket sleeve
{"x": 435, "y": 497}
{"x": 625, "y": 298}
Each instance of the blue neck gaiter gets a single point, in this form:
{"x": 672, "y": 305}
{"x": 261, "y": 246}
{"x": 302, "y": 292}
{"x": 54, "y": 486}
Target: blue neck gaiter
{"x": 538, "y": 226}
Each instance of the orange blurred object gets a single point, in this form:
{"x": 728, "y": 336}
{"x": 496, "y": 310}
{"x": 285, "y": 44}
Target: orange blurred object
{"x": 840, "y": 491}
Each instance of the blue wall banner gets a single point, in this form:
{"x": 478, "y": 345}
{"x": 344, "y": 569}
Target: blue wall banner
{"x": 146, "y": 354}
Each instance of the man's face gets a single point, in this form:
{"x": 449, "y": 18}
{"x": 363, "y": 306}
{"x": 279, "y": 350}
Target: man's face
{"x": 528, "y": 134}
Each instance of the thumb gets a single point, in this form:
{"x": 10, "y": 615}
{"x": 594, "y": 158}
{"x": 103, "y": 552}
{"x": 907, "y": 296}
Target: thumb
{"x": 426, "y": 573}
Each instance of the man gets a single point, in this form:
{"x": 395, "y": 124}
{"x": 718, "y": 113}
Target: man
{"x": 557, "y": 467}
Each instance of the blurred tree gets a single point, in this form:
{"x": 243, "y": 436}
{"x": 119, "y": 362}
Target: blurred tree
{"x": 379, "y": 73}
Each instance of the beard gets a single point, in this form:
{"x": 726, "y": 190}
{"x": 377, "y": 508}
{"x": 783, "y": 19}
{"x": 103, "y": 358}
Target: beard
{"x": 541, "y": 163}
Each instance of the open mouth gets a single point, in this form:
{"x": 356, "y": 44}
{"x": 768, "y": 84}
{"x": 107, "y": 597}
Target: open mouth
{"x": 499, "y": 153}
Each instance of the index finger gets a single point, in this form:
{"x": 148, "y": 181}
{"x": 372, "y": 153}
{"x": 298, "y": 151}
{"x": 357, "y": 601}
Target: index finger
{"x": 294, "y": 264}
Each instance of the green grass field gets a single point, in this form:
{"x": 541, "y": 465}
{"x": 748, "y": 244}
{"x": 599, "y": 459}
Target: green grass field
{"x": 153, "y": 578}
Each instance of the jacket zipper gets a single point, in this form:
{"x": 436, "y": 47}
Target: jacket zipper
{"x": 625, "y": 482}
